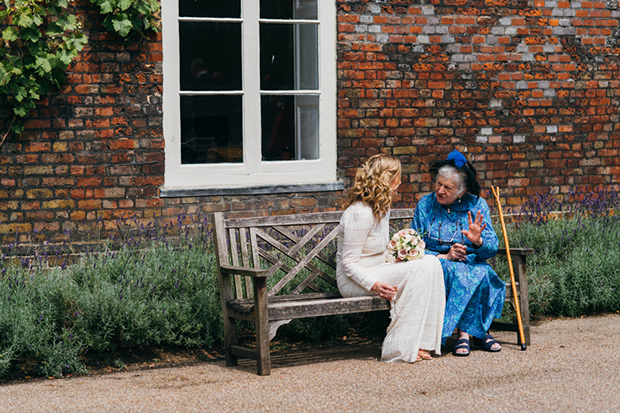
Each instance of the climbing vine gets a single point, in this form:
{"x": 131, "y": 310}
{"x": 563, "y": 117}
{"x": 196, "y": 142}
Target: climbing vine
{"x": 40, "y": 39}
{"x": 129, "y": 18}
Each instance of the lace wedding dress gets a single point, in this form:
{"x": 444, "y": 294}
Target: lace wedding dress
{"x": 418, "y": 308}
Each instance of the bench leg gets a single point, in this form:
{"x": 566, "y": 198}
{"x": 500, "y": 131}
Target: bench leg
{"x": 230, "y": 327}
{"x": 520, "y": 271}
{"x": 263, "y": 360}
{"x": 230, "y": 339}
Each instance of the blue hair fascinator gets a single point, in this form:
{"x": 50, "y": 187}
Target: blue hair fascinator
{"x": 458, "y": 158}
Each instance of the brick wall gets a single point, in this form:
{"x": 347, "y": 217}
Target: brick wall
{"x": 530, "y": 89}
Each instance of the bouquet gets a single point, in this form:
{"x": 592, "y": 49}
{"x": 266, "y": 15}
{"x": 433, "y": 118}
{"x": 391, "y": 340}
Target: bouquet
{"x": 405, "y": 245}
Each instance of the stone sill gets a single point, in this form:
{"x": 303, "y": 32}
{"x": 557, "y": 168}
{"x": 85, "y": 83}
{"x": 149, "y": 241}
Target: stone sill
{"x": 250, "y": 190}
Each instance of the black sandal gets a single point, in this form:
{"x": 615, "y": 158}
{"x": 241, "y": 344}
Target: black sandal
{"x": 461, "y": 344}
{"x": 486, "y": 343}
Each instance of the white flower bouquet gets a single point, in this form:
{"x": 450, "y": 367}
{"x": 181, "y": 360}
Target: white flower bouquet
{"x": 405, "y": 245}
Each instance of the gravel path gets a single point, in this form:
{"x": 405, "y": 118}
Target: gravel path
{"x": 572, "y": 365}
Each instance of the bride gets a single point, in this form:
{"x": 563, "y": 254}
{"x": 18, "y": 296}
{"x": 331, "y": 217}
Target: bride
{"x": 415, "y": 287}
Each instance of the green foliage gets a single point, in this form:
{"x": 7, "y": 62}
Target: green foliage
{"x": 31, "y": 325}
{"x": 39, "y": 40}
{"x": 150, "y": 290}
{"x": 145, "y": 298}
{"x": 574, "y": 268}
{"x": 129, "y": 18}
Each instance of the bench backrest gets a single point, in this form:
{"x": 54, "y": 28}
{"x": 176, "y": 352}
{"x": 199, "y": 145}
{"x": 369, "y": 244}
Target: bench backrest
{"x": 298, "y": 251}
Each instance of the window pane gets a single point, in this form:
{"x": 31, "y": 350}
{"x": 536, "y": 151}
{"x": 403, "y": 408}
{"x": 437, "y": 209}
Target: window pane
{"x": 288, "y": 9}
{"x": 210, "y": 56}
{"x": 211, "y": 130}
{"x": 290, "y": 126}
{"x": 209, "y": 8}
{"x": 289, "y": 56}
{"x": 307, "y": 126}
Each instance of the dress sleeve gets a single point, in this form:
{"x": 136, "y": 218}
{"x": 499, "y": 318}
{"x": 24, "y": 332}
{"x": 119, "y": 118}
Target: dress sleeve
{"x": 357, "y": 224}
{"x": 490, "y": 241}
{"x": 420, "y": 222}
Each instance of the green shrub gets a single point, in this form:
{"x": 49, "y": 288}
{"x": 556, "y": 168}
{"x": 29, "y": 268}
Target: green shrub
{"x": 577, "y": 253}
{"x": 142, "y": 298}
{"x": 32, "y": 331}
{"x": 151, "y": 289}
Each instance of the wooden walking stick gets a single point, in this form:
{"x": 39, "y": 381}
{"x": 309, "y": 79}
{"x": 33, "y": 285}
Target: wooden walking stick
{"x": 512, "y": 274}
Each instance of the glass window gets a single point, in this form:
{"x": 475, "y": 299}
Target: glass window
{"x": 289, "y": 56}
{"x": 217, "y": 67}
{"x": 209, "y": 8}
{"x": 249, "y": 92}
{"x": 290, "y": 127}
{"x": 211, "y": 129}
{"x": 288, "y": 9}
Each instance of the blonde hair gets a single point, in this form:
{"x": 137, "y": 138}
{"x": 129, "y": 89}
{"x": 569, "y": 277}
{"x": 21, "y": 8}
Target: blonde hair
{"x": 372, "y": 183}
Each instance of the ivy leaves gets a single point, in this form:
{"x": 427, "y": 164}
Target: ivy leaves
{"x": 40, "y": 39}
{"x": 129, "y": 18}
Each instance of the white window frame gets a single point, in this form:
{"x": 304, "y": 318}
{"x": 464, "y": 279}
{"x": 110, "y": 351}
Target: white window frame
{"x": 253, "y": 172}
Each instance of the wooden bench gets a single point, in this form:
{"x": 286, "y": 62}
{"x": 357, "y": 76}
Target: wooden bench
{"x": 275, "y": 269}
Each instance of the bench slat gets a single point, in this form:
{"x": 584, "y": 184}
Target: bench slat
{"x": 315, "y": 308}
{"x": 286, "y": 309}
{"x": 234, "y": 255}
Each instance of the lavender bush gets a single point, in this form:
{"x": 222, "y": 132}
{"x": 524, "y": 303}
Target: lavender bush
{"x": 577, "y": 245}
{"x": 150, "y": 285}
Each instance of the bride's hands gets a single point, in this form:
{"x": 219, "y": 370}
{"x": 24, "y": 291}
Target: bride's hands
{"x": 383, "y": 290}
{"x": 474, "y": 232}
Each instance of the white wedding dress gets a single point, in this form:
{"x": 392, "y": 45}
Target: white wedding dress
{"x": 418, "y": 308}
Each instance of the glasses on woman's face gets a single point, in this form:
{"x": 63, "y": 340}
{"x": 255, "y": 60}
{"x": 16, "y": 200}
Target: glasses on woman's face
{"x": 453, "y": 240}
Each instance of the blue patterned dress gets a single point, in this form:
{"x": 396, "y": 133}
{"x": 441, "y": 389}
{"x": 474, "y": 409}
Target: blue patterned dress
{"x": 474, "y": 293}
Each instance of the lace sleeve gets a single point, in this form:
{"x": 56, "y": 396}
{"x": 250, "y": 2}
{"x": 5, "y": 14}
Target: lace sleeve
{"x": 356, "y": 225}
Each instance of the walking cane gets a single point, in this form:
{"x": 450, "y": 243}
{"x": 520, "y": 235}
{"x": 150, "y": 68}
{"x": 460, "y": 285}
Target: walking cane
{"x": 512, "y": 274}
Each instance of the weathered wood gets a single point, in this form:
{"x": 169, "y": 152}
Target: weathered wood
{"x": 325, "y": 307}
{"x": 312, "y": 305}
{"x": 244, "y": 352}
{"x": 262, "y": 328}
{"x": 520, "y": 270}
{"x": 226, "y": 292}
{"x": 248, "y": 272}
{"x": 276, "y": 269}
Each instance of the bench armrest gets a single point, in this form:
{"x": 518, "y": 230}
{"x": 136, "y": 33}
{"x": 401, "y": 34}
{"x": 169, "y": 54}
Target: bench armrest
{"x": 516, "y": 251}
{"x": 249, "y": 272}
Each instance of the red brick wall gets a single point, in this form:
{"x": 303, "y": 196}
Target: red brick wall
{"x": 530, "y": 89}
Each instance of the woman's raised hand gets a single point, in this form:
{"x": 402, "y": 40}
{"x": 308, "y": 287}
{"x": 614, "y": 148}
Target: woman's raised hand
{"x": 384, "y": 291}
{"x": 474, "y": 232}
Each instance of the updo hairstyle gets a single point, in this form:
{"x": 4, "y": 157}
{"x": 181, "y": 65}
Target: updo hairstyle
{"x": 465, "y": 176}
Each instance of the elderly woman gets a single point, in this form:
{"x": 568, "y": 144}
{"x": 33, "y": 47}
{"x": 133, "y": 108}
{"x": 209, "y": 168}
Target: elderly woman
{"x": 457, "y": 228}
{"x": 416, "y": 287}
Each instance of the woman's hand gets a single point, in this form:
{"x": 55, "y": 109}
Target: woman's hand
{"x": 384, "y": 291}
{"x": 474, "y": 233}
{"x": 458, "y": 252}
